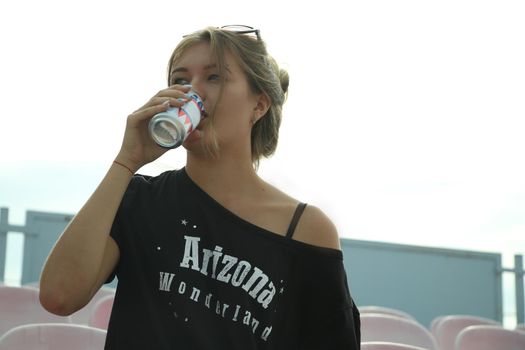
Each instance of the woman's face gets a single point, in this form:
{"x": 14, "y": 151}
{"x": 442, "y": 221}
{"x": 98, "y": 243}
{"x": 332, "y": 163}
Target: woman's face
{"x": 236, "y": 108}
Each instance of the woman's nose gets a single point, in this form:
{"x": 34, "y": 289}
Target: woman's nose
{"x": 198, "y": 87}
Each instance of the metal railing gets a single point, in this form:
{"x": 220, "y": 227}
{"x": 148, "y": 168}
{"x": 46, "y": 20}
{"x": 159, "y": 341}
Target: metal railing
{"x": 42, "y": 230}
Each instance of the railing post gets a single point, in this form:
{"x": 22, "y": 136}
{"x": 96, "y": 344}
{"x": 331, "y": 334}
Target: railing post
{"x": 4, "y": 223}
{"x": 520, "y": 295}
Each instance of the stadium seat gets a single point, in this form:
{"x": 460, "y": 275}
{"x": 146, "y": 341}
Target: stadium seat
{"x": 83, "y": 315}
{"x": 21, "y": 305}
{"x": 102, "y": 312}
{"x": 372, "y": 309}
{"x": 388, "y": 346}
{"x": 388, "y": 328}
{"x": 53, "y": 336}
{"x": 434, "y": 324}
{"x": 448, "y": 328}
{"x": 490, "y": 338}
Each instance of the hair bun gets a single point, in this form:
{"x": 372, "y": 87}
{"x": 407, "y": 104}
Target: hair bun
{"x": 284, "y": 78}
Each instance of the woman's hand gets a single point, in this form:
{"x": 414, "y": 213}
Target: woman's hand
{"x": 138, "y": 148}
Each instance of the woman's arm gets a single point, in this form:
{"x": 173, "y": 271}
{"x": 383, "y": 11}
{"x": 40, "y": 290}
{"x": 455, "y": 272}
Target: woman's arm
{"x": 84, "y": 255}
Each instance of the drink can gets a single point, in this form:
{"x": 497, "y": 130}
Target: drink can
{"x": 169, "y": 129}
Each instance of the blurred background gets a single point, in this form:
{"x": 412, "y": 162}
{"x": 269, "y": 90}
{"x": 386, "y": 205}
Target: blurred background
{"x": 404, "y": 121}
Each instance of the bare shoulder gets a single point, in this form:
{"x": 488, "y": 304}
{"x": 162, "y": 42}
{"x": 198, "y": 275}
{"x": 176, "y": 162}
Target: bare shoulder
{"x": 316, "y": 228}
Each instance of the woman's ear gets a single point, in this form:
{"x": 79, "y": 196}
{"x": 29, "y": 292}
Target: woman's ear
{"x": 263, "y": 105}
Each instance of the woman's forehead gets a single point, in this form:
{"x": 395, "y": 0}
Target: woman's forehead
{"x": 199, "y": 57}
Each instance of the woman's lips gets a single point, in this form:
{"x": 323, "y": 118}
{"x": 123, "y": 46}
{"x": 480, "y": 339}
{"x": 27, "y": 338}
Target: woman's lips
{"x": 204, "y": 116}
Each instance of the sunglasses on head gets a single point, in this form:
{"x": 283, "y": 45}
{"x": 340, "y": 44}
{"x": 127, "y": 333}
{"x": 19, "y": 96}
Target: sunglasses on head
{"x": 240, "y": 29}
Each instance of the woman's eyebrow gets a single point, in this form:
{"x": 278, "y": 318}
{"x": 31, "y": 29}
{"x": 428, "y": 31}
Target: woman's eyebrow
{"x": 209, "y": 66}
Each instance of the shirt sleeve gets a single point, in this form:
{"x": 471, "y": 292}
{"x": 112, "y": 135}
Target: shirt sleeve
{"x": 330, "y": 319}
{"x": 123, "y": 211}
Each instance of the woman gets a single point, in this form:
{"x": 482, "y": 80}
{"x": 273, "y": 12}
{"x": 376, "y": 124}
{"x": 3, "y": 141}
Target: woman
{"x": 209, "y": 256}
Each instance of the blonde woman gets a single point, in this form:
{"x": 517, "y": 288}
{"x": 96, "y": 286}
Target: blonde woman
{"x": 209, "y": 256}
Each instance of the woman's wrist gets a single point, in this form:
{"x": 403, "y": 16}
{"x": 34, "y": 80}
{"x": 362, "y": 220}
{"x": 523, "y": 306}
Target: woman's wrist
{"x": 124, "y": 166}
{"x": 127, "y": 162}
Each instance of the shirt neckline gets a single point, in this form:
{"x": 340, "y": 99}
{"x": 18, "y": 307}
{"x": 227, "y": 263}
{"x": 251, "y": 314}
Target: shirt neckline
{"x": 264, "y": 232}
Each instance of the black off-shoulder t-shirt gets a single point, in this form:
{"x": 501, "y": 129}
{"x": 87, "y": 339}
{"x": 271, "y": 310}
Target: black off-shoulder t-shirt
{"x": 193, "y": 275}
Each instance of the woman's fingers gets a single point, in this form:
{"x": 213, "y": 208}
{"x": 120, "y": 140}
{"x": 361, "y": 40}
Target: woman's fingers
{"x": 170, "y": 101}
{"x": 147, "y": 112}
{"x": 175, "y": 94}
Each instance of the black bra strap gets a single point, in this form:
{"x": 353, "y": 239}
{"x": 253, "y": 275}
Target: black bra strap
{"x": 296, "y": 216}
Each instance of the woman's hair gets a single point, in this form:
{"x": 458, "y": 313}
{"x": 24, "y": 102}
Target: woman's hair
{"x": 263, "y": 74}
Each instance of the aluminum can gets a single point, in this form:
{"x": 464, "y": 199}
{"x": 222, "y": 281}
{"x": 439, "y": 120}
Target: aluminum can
{"x": 169, "y": 129}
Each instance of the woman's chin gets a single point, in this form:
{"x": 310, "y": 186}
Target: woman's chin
{"x": 194, "y": 137}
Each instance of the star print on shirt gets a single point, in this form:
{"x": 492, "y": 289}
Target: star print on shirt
{"x": 184, "y": 222}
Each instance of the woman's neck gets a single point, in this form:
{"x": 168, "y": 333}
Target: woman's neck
{"x": 225, "y": 178}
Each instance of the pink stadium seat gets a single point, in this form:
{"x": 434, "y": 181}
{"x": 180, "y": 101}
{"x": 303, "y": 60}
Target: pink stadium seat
{"x": 490, "y": 338}
{"x": 387, "y": 328}
{"x": 83, "y": 315}
{"x": 450, "y": 326}
{"x": 435, "y": 323}
{"x": 102, "y": 312}
{"x": 20, "y": 305}
{"x": 372, "y": 309}
{"x": 50, "y": 336}
{"x": 378, "y": 345}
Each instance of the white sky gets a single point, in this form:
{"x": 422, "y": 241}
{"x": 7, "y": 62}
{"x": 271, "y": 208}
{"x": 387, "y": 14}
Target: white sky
{"x": 404, "y": 123}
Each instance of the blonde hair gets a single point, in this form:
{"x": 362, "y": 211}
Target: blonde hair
{"x": 263, "y": 74}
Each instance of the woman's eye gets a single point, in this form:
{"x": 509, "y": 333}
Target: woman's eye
{"x": 214, "y": 77}
{"x": 180, "y": 81}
